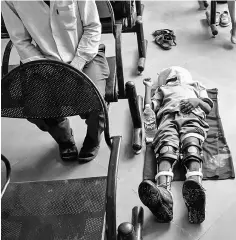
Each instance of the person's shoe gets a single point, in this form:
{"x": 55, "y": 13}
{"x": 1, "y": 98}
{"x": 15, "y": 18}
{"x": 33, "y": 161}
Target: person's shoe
{"x": 195, "y": 200}
{"x": 68, "y": 150}
{"x": 158, "y": 199}
{"x": 89, "y": 150}
{"x": 225, "y": 19}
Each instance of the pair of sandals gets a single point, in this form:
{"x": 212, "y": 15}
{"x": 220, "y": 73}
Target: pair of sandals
{"x": 165, "y": 38}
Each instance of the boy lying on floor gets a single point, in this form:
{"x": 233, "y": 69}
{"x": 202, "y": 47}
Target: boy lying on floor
{"x": 181, "y": 105}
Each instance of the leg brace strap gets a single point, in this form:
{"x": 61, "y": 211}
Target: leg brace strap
{"x": 164, "y": 173}
{"x": 191, "y": 151}
{"x": 194, "y": 173}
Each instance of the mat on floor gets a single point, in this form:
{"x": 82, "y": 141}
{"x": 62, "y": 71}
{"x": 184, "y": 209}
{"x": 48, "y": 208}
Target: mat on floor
{"x": 218, "y": 163}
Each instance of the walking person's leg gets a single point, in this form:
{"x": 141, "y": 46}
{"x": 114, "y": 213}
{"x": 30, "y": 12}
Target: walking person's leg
{"x": 98, "y": 71}
{"x": 157, "y": 195}
{"x": 232, "y": 12}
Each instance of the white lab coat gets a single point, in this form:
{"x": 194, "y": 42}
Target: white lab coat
{"x": 70, "y": 30}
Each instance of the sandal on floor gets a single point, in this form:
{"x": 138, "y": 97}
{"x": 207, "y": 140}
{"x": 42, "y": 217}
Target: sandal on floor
{"x": 162, "y": 31}
{"x": 165, "y": 41}
{"x": 194, "y": 198}
{"x": 165, "y": 32}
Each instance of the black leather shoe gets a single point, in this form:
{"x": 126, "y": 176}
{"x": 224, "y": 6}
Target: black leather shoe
{"x": 68, "y": 150}
{"x": 89, "y": 150}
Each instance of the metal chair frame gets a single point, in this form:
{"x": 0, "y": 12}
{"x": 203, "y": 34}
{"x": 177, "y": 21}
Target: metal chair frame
{"x": 112, "y": 142}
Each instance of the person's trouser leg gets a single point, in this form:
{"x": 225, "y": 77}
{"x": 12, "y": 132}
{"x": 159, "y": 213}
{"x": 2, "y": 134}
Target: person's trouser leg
{"x": 232, "y": 12}
{"x": 60, "y": 130}
{"x": 192, "y": 135}
{"x": 157, "y": 196}
{"x": 98, "y": 71}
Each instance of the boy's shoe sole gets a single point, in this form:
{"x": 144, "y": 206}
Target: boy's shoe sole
{"x": 153, "y": 197}
{"x": 195, "y": 200}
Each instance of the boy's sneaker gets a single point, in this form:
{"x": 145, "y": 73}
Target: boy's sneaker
{"x": 225, "y": 19}
{"x": 195, "y": 200}
{"x": 158, "y": 199}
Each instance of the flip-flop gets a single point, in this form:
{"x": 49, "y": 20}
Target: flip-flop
{"x": 162, "y": 31}
{"x": 165, "y": 41}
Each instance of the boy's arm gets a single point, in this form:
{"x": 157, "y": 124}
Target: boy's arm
{"x": 148, "y": 99}
{"x": 188, "y": 105}
{"x": 205, "y": 106}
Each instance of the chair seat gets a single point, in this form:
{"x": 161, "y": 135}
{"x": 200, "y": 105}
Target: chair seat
{"x": 61, "y": 209}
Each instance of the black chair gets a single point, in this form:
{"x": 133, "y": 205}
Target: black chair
{"x": 61, "y": 209}
{"x": 128, "y": 18}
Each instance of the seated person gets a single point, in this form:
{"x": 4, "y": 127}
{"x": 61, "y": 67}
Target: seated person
{"x": 181, "y": 105}
{"x": 67, "y": 31}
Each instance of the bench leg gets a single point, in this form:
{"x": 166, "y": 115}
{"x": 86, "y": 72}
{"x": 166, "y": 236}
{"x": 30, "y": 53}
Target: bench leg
{"x": 128, "y": 231}
{"x": 211, "y": 18}
{"x": 142, "y": 44}
{"x": 135, "y": 106}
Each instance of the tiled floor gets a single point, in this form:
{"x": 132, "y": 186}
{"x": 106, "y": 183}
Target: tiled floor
{"x": 210, "y": 60}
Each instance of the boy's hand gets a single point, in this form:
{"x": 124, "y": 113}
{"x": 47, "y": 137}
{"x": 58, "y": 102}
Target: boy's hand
{"x": 187, "y": 105}
{"x": 148, "y": 82}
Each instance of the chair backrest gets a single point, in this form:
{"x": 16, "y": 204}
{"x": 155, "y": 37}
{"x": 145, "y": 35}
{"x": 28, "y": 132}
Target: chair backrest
{"x": 106, "y": 15}
{"x": 46, "y": 89}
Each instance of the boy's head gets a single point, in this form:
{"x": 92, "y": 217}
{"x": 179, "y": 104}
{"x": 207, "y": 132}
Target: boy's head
{"x": 173, "y": 74}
